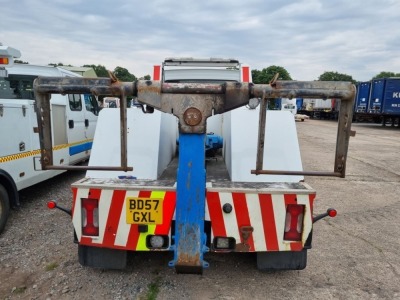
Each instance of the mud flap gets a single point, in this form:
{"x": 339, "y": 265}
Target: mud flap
{"x": 102, "y": 257}
{"x": 284, "y": 260}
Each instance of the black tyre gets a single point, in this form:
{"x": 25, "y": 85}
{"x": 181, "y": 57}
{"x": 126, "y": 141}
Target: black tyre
{"x": 4, "y": 207}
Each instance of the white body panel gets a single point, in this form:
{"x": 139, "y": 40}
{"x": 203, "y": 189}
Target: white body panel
{"x": 215, "y": 124}
{"x": 289, "y": 105}
{"x": 151, "y": 143}
{"x": 201, "y": 74}
{"x": 281, "y": 150}
{"x": 317, "y": 104}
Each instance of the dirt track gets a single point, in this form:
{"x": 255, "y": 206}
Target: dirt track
{"x": 354, "y": 256}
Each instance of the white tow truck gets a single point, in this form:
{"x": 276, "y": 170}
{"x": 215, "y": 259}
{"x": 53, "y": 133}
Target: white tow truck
{"x": 74, "y": 121}
{"x": 150, "y": 199}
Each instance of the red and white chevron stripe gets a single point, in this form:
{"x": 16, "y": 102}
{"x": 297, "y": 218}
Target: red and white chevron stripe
{"x": 265, "y": 212}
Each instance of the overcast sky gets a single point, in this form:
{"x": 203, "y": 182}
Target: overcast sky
{"x": 307, "y": 37}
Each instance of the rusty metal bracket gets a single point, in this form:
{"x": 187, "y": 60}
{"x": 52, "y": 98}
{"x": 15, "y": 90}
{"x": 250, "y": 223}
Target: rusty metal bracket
{"x": 192, "y": 104}
{"x": 45, "y": 86}
{"x": 245, "y": 233}
{"x": 319, "y": 89}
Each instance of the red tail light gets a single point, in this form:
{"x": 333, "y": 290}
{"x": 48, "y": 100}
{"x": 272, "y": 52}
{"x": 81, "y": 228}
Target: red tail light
{"x": 90, "y": 217}
{"x": 51, "y": 204}
{"x": 332, "y": 212}
{"x": 294, "y": 222}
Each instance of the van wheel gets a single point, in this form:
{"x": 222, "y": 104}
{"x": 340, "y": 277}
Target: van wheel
{"x": 4, "y": 207}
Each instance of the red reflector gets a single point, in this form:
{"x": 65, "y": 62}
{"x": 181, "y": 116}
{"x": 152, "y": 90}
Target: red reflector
{"x": 51, "y": 204}
{"x": 90, "y": 217}
{"x": 332, "y": 213}
{"x": 294, "y": 222}
{"x": 246, "y": 74}
{"x": 157, "y": 73}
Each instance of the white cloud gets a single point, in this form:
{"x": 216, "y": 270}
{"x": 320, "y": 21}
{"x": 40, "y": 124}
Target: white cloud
{"x": 307, "y": 37}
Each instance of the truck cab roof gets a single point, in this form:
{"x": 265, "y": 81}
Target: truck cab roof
{"x": 201, "y": 70}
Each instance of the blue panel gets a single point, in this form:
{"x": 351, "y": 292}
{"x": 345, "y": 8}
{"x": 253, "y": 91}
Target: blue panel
{"x": 376, "y": 99}
{"x": 190, "y": 239}
{"x": 277, "y": 104}
{"x": 299, "y": 103}
{"x": 214, "y": 141}
{"x": 362, "y": 98}
{"x": 391, "y": 102}
{"x": 80, "y": 148}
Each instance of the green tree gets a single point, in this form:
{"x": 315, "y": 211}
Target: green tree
{"x": 267, "y": 74}
{"x": 335, "y": 76}
{"x": 123, "y": 74}
{"x": 60, "y": 64}
{"x": 100, "y": 70}
{"x": 384, "y": 74}
{"x": 17, "y": 61}
{"x": 145, "y": 77}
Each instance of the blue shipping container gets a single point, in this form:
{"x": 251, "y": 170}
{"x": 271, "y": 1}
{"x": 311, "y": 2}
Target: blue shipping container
{"x": 363, "y": 91}
{"x": 391, "y": 104}
{"x": 277, "y": 105}
{"x": 377, "y": 94}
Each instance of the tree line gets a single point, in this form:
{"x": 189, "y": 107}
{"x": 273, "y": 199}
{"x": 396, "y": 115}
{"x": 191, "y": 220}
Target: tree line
{"x": 267, "y": 74}
{"x": 101, "y": 71}
{"x": 263, "y": 76}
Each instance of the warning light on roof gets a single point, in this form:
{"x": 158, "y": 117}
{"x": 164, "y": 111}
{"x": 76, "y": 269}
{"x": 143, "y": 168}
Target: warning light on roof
{"x": 4, "y": 61}
{"x": 7, "y": 55}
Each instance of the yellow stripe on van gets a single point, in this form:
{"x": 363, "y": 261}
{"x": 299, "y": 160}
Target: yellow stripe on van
{"x": 17, "y": 156}
{"x": 80, "y": 142}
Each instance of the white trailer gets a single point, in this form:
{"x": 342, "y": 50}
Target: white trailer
{"x": 73, "y": 126}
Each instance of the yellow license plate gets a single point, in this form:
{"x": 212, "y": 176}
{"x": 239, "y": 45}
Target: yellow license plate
{"x": 144, "y": 210}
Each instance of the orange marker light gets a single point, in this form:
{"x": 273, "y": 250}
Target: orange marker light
{"x": 4, "y": 61}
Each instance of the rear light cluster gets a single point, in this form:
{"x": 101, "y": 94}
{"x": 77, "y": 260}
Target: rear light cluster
{"x": 294, "y": 222}
{"x": 90, "y": 216}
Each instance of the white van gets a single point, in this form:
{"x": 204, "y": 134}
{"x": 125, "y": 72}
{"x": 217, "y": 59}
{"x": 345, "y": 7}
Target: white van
{"x": 111, "y": 102}
{"x": 289, "y": 104}
{"x": 74, "y": 122}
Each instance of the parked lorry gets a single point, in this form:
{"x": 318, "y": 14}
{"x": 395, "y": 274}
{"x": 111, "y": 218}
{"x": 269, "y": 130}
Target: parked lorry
{"x": 74, "y": 119}
{"x": 149, "y": 199}
{"x": 378, "y": 101}
{"x": 319, "y": 108}
{"x": 362, "y": 98}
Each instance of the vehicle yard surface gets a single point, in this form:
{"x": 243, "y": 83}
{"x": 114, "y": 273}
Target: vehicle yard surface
{"x": 354, "y": 256}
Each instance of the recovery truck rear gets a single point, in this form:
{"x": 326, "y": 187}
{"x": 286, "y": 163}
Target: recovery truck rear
{"x": 187, "y": 204}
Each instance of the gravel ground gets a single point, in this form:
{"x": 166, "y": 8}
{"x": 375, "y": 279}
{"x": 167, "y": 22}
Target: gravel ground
{"x": 354, "y": 256}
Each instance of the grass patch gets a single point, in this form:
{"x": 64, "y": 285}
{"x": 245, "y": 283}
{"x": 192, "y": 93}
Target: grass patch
{"x": 19, "y": 290}
{"x": 51, "y": 266}
{"x": 154, "y": 288}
